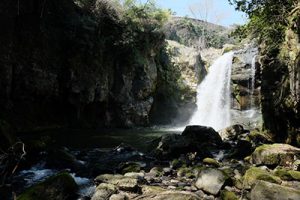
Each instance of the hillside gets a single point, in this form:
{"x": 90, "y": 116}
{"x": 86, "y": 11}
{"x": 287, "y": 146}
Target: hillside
{"x": 197, "y": 33}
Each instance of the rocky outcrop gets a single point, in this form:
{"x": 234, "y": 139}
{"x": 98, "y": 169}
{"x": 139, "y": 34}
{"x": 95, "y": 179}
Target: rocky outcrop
{"x": 244, "y": 96}
{"x": 196, "y": 33}
{"x": 281, "y": 85}
{"x": 67, "y": 64}
{"x": 180, "y": 70}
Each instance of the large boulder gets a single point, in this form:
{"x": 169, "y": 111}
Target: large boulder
{"x": 193, "y": 139}
{"x": 269, "y": 191}
{"x": 211, "y": 180}
{"x": 202, "y": 134}
{"x": 275, "y": 154}
{"x": 255, "y": 174}
{"x": 59, "y": 187}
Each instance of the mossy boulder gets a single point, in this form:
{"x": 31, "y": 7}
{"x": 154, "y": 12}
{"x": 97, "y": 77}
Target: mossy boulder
{"x": 186, "y": 172}
{"x": 260, "y": 137}
{"x": 59, "y": 187}
{"x": 130, "y": 167}
{"x": 275, "y": 154}
{"x": 254, "y": 174}
{"x": 266, "y": 190}
{"x": 228, "y": 195}
{"x": 211, "y": 161}
{"x": 287, "y": 175}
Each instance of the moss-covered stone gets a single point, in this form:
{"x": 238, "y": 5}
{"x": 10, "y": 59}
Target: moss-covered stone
{"x": 131, "y": 167}
{"x": 274, "y": 154}
{"x": 176, "y": 163}
{"x": 287, "y": 175}
{"x": 254, "y": 174}
{"x": 228, "y": 195}
{"x": 59, "y": 187}
{"x": 211, "y": 161}
{"x": 185, "y": 172}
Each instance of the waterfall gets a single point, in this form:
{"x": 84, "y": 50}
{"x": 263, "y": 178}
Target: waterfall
{"x": 213, "y": 95}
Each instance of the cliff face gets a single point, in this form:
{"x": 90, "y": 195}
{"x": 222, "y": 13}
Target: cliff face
{"x": 62, "y": 64}
{"x": 281, "y": 85}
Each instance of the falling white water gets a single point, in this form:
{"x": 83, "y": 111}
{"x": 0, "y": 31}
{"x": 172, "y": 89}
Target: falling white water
{"x": 252, "y": 79}
{"x": 213, "y": 95}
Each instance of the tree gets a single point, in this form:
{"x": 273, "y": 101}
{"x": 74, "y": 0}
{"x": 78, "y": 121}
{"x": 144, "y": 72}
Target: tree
{"x": 206, "y": 11}
{"x": 268, "y": 20}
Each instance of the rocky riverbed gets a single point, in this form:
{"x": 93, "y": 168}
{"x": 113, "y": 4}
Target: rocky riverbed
{"x": 198, "y": 163}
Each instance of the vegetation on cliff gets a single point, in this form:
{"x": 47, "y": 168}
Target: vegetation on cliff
{"x": 275, "y": 25}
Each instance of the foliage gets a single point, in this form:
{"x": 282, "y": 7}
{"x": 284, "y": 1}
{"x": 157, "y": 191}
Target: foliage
{"x": 268, "y": 21}
{"x": 212, "y": 38}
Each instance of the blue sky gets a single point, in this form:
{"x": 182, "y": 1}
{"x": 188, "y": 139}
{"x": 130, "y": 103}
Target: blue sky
{"x": 218, "y": 11}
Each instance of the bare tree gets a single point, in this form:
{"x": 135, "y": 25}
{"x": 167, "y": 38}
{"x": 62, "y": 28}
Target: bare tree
{"x": 206, "y": 11}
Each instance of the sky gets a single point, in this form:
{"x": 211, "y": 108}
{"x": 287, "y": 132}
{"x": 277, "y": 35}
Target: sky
{"x": 218, "y": 11}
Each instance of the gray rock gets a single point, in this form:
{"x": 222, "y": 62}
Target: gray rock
{"x": 104, "y": 191}
{"x": 121, "y": 182}
{"x": 211, "y": 180}
{"x": 118, "y": 197}
{"x": 269, "y": 191}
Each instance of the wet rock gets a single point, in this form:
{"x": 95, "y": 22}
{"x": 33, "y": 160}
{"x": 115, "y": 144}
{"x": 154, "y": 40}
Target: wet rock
{"x": 59, "y": 187}
{"x": 104, "y": 191}
{"x": 211, "y": 180}
{"x": 121, "y": 182}
{"x": 62, "y": 158}
{"x": 169, "y": 195}
{"x": 254, "y": 174}
{"x": 275, "y": 154}
{"x": 264, "y": 190}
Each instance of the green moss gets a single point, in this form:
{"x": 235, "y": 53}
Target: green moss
{"x": 287, "y": 175}
{"x": 185, "y": 172}
{"x": 175, "y": 164}
{"x": 227, "y": 195}
{"x": 211, "y": 161}
{"x": 60, "y": 186}
{"x": 131, "y": 167}
{"x": 254, "y": 173}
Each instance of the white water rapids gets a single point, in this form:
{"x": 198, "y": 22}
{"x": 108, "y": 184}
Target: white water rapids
{"x": 213, "y": 95}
